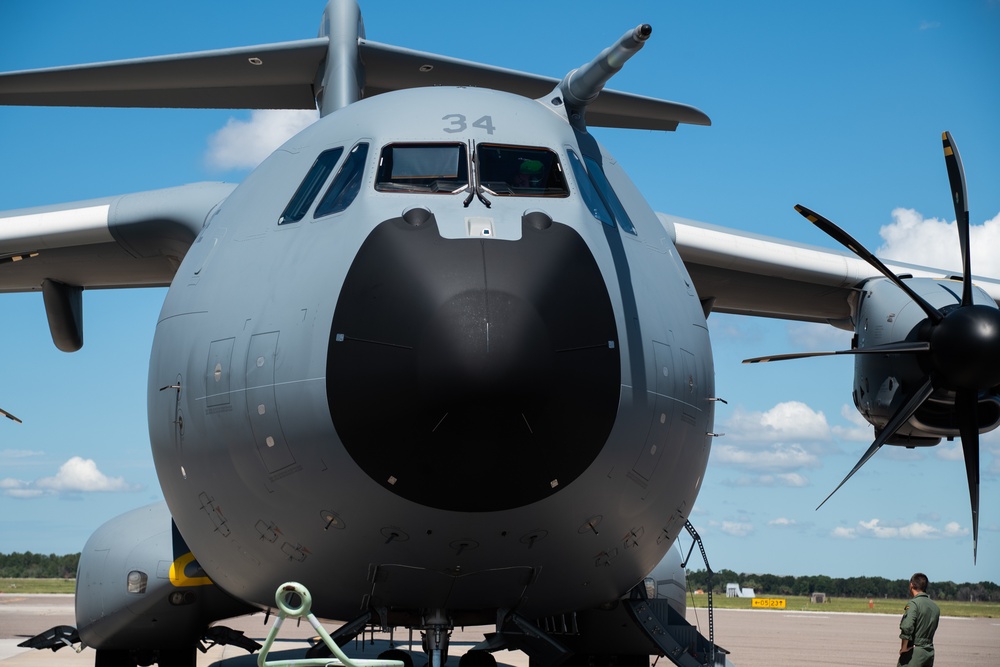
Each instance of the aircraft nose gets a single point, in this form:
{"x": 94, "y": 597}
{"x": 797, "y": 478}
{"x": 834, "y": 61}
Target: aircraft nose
{"x": 473, "y": 374}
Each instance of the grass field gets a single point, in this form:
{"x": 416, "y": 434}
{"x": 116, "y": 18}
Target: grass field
{"x": 796, "y": 603}
{"x": 28, "y": 586}
{"x": 881, "y": 606}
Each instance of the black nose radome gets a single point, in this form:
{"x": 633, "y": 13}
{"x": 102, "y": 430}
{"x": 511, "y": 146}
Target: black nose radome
{"x": 473, "y": 375}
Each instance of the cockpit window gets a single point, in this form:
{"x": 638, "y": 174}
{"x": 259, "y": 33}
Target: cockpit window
{"x": 589, "y": 193}
{"x": 600, "y": 179}
{"x": 427, "y": 168}
{"x": 520, "y": 171}
{"x": 310, "y": 186}
{"x": 346, "y": 185}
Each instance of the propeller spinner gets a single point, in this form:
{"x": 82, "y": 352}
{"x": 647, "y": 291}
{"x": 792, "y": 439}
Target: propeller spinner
{"x": 959, "y": 344}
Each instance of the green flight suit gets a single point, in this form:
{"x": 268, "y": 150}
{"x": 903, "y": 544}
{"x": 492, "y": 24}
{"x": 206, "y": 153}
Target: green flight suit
{"x": 918, "y": 625}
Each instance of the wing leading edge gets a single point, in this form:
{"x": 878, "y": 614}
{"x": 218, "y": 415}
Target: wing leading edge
{"x": 750, "y": 274}
{"x": 133, "y": 240}
{"x": 286, "y": 76}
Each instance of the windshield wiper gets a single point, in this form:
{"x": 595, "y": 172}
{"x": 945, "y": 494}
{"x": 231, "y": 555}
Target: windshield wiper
{"x": 477, "y": 189}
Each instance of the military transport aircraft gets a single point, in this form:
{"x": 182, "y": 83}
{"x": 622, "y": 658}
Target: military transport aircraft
{"x": 438, "y": 361}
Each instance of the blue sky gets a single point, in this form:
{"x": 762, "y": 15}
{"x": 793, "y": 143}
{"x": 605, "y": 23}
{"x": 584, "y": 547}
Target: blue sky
{"x": 838, "y": 106}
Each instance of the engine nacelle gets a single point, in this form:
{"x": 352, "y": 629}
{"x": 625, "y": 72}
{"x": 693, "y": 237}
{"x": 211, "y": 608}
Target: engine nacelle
{"x": 883, "y": 381}
{"x": 140, "y": 589}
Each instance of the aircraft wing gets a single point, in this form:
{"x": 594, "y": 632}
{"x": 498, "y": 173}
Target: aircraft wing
{"x": 749, "y": 274}
{"x": 392, "y": 68}
{"x": 134, "y": 240}
{"x": 219, "y": 79}
{"x": 283, "y": 76}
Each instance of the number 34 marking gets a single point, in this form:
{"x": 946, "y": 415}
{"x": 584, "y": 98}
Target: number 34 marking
{"x": 459, "y": 123}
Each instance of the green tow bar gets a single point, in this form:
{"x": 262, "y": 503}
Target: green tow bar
{"x": 286, "y": 597}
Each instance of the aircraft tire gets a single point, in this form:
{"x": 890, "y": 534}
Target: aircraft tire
{"x": 397, "y": 654}
{"x": 178, "y": 658}
{"x": 110, "y": 658}
{"x": 477, "y": 659}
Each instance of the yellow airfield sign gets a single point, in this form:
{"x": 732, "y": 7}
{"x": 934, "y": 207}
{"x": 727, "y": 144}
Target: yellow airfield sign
{"x": 768, "y": 603}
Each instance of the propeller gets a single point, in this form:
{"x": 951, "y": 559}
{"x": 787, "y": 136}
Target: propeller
{"x": 960, "y": 343}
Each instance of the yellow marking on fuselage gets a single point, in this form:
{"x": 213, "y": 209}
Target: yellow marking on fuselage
{"x": 177, "y": 576}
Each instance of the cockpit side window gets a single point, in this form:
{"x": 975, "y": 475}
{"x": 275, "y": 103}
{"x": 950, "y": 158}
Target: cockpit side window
{"x": 425, "y": 168}
{"x": 346, "y": 185}
{"x": 589, "y": 193}
{"x": 520, "y": 171}
{"x": 310, "y": 186}
{"x": 599, "y": 178}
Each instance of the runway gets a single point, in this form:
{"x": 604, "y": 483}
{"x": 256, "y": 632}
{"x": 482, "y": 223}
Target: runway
{"x": 755, "y": 638}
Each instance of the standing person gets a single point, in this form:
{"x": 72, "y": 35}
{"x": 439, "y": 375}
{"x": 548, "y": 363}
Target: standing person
{"x": 918, "y": 625}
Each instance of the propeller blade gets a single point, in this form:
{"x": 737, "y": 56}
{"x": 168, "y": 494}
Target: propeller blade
{"x": 966, "y": 403}
{"x": 888, "y": 348}
{"x": 10, "y": 416}
{"x": 905, "y": 412}
{"x": 851, "y": 244}
{"x": 956, "y": 178}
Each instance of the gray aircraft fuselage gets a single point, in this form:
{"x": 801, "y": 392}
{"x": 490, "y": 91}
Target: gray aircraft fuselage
{"x": 412, "y": 400}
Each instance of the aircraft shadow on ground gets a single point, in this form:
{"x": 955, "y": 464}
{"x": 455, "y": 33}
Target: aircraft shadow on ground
{"x": 367, "y": 649}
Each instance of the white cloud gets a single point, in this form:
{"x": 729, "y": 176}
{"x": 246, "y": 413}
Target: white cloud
{"x": 812, "y": 336}
{"x": 16, "y": 488}
{"x": 792, "y": 479}
{"x": 782, "y": 522}
{"x": 992, "y": 445}
{"x": 790, "y": 421}
{"x": 953, "y": 529}
{"x": 243, "y": 144}
{"x": 77, "y": 475}
{"x": 736, "y": 528}
{"x": 859, "y": 431}
{"x": 932, "y": 242}
{"x": 918, "y": 530}
{"x": 19, "y": 453}
{"x": 779, "y": 457}
{"x": 949, "y": 451}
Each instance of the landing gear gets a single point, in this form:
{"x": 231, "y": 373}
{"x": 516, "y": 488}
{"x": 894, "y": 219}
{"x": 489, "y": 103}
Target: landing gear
{"x": 435, "y": 638}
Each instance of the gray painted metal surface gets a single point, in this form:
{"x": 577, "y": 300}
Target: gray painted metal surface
{"x": 442, "y": 367}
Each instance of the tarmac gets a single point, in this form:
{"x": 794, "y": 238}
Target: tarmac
{"x": 754, "y": 638}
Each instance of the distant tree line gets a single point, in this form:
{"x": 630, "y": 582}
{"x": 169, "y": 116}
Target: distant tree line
{"x": 850, "y": 587}
{"x": 41, "y": 566}
{"x": 38, "y": 566}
